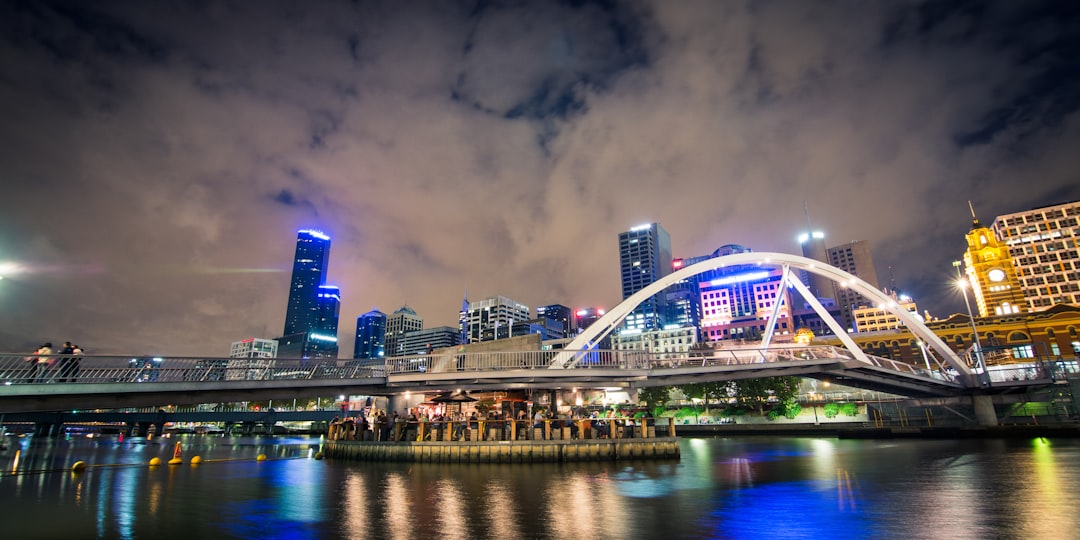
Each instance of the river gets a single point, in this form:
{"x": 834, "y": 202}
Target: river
{"x": 730, "y": 487}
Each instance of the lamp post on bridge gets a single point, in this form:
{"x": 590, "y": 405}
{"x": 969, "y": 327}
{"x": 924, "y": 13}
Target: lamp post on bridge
{"x": 962, "y": 282}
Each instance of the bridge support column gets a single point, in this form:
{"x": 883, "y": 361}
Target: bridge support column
{"x": 984, "y": 410}
{"x": 396, "y": 402}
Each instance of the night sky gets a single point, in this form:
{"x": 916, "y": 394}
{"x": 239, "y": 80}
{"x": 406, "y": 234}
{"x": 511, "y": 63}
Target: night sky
{"x": 157, "y": 158}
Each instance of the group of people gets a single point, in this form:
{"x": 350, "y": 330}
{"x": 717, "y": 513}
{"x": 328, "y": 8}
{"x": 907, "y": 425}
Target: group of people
{"x": 61, "y": 367}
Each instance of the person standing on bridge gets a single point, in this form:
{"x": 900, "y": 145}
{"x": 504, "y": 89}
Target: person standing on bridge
{"x": 63, "y": 364}
{"x": 39, "y": 363}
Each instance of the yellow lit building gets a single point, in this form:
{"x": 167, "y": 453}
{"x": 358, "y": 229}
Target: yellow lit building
{"x": 990, "y": 271}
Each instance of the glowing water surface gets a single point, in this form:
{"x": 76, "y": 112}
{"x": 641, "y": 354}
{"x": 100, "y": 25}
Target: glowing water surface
{"x": 735, "y": 487}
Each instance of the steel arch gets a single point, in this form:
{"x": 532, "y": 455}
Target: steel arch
{"x": 613, "y": 318}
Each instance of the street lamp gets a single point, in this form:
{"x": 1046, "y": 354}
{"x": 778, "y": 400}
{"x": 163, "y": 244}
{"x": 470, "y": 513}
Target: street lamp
{"x": 963, "y": 284}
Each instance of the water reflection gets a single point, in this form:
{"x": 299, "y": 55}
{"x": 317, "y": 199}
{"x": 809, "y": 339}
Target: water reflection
{"x": 722, "y": 488}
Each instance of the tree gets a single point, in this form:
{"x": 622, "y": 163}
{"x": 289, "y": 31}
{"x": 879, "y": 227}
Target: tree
{"x": 654, "y": 396}
{"x": 756, "y": 393}
{"x": 705, "y": 391}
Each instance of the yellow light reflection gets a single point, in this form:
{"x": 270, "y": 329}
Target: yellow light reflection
{"x": 357, "y": 520}
{"x": 451, "y": 517}
{"x": 584, "y": 506}
{"x": 500, "y": 502}
{"x": 397, "y": 501}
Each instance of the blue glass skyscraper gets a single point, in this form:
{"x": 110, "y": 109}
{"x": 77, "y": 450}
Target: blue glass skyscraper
{"x": 309, "y": 273}
{"x": 311, "y": 319}
{"x": 370, "y": 335}
{"x": 644, "y": 257}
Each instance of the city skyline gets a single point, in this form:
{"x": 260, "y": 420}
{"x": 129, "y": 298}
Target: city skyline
{"x": 159, "y": 158}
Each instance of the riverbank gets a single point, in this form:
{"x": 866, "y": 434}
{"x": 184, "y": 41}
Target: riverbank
{"x": 856, "y": 430}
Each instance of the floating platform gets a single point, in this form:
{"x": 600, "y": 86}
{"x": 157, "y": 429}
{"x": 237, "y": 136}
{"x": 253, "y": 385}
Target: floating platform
{"x": 522, "y": 451}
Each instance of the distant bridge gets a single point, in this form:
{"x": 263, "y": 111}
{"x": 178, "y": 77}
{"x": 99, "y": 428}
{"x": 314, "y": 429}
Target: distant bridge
{"x": 119, "y": 382}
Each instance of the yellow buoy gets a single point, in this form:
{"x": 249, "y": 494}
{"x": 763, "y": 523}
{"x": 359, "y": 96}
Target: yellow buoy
{"x": 78, "y": 466}
{"x": 260, "y": 457}
{"x": 176, "y": 460}
{"x": 318, "y": 455}
{"x": 154, "y": 462}
{"x": 195, "y": 460}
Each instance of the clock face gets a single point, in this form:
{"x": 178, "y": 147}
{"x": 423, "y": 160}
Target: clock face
{"x": 996, "y": 274}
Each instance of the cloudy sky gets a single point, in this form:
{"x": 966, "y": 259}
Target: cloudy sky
{"x": 157, "y": 158}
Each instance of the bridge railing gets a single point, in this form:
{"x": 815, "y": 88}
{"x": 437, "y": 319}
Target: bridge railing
{"x": 511, "y": 360}
{"x": 23, "y": 369}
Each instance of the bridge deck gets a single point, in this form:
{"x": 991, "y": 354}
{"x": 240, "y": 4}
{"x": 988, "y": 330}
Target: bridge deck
{"x": 60, "y": 383}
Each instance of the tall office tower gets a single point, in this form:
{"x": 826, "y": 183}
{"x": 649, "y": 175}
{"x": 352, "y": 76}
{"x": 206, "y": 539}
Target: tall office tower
{"x": 370, "y": 335}
{"x": 813, "y": 247}
{"x": 583, "y": 318}
{"x": 399, "y": 323}
{"x": 309, "y": 272}
{"x": 586, "y": 316}
{"x": 558, "y": 313}
{"x": 1044, "y": 244}
{"x": 853, "y": 258}
{"x": 463, "y": 320}
{"x": 991, "y": 273}
{"x": 494, "y": 318}
{"x": 645, "y": 257}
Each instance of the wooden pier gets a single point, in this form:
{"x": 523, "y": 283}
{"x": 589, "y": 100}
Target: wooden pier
{"x": 500, "y": 442}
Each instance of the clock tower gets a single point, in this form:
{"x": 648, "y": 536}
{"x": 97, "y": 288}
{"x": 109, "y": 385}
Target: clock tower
{"x": 991, "y": 272}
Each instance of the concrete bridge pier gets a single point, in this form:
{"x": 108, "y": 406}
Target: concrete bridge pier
{"x": 144, "y": 428}
{"x": 396, "y": 402}
{"x": 985, "y": 414}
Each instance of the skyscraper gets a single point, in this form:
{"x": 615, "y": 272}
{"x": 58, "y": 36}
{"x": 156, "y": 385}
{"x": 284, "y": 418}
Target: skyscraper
{"x": 311, "y": 319}
{"x": 645, "y": 257}
{"x": 494, "y": 318}
{"x": 813, "y": 247}
{"x": 370, "y": 335}
{"x": 1044, "y": 244}
{"x": 853, "y": 258}
{"x": 399, "y": 323}
{"x": 560, "y": 313}
{"x": 309, "y": 273}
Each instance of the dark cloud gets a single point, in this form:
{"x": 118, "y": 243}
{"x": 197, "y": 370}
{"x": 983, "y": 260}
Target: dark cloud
{"x": 157, "y": 158}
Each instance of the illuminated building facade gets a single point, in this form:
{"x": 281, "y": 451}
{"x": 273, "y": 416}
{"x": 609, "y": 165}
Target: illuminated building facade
{"x": 420, "y": 341}
{"x": 254, "y": 348}
{"x": 399, "y": 323}
{"x": 311, "y": 318}
{"x": 876, "y": 319}
{"x": 990, "y": 271}
{"x": 1019, "y": 337}
{"x": 309, "y": 273}
{"x": 645, "y": 257}
{"x": 583, "y": 318}
{"x": 737, "y": 302}
{"x": 558, "y": 313}
{"x": 370, "y": 335}
{"x": 250, "y": 359}
{"x": 1044, "y": 245}
{"x": 494, "y": 318}
{"x": 665, "y": 343}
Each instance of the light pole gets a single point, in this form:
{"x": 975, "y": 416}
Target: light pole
{"x": 963, "y": 283}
